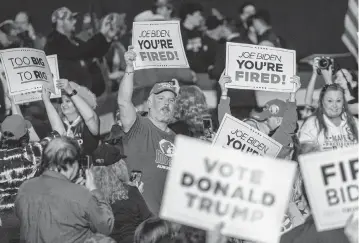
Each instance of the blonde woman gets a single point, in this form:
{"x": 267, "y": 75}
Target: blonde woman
{"x": 76, "y": 117}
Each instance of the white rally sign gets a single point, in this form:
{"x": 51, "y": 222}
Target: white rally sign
{"x": 238, "y": 135}
{"x": 158, "y": 44}
{"x": 26, "y": 70}
{"x": 36, "y": 95}
{"x": 208, "y": 185}
{"x": 260, "y": 68}
{"x": 331, "y": 182}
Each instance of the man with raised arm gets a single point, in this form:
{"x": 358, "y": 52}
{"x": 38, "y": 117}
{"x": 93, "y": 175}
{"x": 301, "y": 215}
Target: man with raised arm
{"x": 148, "y": 143}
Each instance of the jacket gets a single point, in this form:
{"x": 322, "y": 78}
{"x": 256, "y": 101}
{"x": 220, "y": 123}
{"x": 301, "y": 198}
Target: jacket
{"x": 72, "y": 53}
{"x": 53, "y": 209}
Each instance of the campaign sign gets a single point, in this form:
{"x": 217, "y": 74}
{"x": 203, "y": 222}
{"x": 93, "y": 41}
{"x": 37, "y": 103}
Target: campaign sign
{"x": 331, "y": 182}
{"x": 260, "y": 68}
{"x": 31, "y": 96}
{"x": 238, "y": 135}
{"x": 209, "y": 185}
{"x": 158, "y": 44}
{"x": 26, "y": 69}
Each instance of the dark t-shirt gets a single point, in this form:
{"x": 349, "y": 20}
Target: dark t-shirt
{"x": 129, "y": 214}
{"x": 354, "y": 92}
{"x": 270, "y": 36}
{"x": 200, "y": 50}
{"x": 149, "y": 150}
{"x": 85, "y": 138}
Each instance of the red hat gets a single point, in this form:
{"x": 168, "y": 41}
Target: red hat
{"x": 163, "y": 86}
{"x": 273, "y": 108}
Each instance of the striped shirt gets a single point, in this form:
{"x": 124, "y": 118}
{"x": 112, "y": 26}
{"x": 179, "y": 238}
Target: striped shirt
{"x": 16, "y": 166}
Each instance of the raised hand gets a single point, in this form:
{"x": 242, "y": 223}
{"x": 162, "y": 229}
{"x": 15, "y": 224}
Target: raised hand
{"x": 223, "y": 81}
{"x": 109, "y": 28}
{"x": 64, "y": 85}
{"x": 130, "y": 56}
{"x": 297, "y": 83}
{"x": 90, "y": 181}
{"x": 45, "y": 94}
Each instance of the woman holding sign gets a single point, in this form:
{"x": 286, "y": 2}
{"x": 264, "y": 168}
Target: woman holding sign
{"x": 332, "y": 126}
{"x": 77, "y": 118}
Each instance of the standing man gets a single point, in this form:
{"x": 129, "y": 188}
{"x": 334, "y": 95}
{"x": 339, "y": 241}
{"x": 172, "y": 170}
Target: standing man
{"x": 261, "y": 22}
{"x": 199, "y": 48}
{"x": 71, "y": 51}
{"x": 52, "y": 208}
{"x": 242, "y": 101}
{"x": 148, "y": 142}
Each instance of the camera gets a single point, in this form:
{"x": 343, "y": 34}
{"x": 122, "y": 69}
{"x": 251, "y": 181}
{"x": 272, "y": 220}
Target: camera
{"x": 325, "y": 63}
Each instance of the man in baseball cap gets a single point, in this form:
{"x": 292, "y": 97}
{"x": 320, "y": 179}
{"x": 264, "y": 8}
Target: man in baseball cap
{"x": 164, "y": 86}
{"x": 71, "y": 51}
{"x": 148, "y": 142}
{"x": 63, "y": 13}
{"x": 278, "y": 118}
{"x": 15, "y": 127}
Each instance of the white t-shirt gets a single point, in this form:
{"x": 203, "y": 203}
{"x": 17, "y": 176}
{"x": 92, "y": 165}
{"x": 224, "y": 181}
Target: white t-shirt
{"x": 337, "y": 136}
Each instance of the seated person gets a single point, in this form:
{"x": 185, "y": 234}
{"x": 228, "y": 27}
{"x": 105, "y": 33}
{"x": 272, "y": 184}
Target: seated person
{"x": 278, "y": 120}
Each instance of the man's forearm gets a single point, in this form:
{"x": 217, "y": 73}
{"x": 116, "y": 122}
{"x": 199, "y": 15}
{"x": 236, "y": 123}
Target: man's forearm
{"x": 126, "y": 87}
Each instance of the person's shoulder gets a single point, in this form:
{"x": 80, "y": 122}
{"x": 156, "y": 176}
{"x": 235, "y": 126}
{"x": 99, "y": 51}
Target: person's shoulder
{"x": 310, "y": 122}
{"x": 77, "y": 193}
{"x": 30, "y": 184}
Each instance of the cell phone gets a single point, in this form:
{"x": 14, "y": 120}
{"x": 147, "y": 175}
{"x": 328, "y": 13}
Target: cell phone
{"x": 207, "y": 126}
{"x": 85, "y": 163}
{"x": 136, "y": 175}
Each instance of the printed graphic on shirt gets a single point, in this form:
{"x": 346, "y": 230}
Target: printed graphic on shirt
{"x": 339, "y": 141}
{"x": 164, "y": 154}
{"x": 195, "y": 45}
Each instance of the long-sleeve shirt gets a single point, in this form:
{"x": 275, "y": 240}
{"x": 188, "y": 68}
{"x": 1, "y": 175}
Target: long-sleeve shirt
{"x": 284, "y": 132}
{"x": 70, "y": 53}
{"x": 53, "y": 209}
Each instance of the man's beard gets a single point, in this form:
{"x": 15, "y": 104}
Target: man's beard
{"x": 165, "y": 115}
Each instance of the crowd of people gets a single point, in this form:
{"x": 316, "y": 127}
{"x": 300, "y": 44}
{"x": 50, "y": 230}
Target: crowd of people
{"x": 61, "y": 181}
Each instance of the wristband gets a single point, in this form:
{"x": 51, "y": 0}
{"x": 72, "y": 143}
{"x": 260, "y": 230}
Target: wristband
{"x": 128, "y": 72}
{"x": 74, "y": 92}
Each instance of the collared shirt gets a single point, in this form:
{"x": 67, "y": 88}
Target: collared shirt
{"x": 53, "y": 209}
